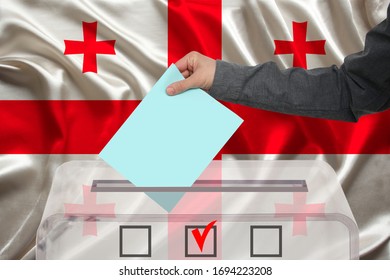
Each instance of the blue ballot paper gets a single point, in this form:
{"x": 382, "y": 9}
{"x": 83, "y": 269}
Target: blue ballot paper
{"x": 170, "y": 140}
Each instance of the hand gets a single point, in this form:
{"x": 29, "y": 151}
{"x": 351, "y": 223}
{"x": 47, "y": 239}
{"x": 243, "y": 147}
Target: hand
{"x": 198, "y": 71}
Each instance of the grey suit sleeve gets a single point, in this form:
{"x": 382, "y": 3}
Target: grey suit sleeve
{"x": 360, "y": 86}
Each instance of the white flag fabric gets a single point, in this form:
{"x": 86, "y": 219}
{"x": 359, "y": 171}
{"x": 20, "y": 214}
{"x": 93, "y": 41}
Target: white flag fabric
{"x": 42, "y": 84}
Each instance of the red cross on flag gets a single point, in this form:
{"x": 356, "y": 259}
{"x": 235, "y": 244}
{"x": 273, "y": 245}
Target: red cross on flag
{"x": 90, "y": 47}
{"x": 71, "y": 72}
{"x": 299, "y": 47}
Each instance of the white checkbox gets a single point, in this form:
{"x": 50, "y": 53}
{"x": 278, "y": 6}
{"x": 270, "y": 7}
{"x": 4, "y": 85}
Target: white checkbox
{"x": 135, "y": 241}
{"x": 266, "y": 241}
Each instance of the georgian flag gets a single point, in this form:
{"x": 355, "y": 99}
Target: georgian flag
{"x": 71, "y": 72}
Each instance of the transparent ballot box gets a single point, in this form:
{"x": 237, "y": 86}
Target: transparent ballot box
{"x": 235, "y": 210}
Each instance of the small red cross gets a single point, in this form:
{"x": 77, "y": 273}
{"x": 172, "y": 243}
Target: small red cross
{"x": 299, "y": 210}
{"x": 89, "y": 47}
{"x": 90, "y": 210}
{"x": 299, "y": 47}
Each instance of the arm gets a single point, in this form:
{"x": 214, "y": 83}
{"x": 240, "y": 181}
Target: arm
{"x": 316, "y": 93}
{"x": 360, "y": 86}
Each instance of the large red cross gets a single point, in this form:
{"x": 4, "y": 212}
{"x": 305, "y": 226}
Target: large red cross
{"x": 89, "y": 47}
{"x": 90, "y": 209}
{"x": 299, "y": 47}
{"x": 299, "y": 211}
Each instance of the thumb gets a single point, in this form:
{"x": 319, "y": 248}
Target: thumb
{"x": 180, "y": 86}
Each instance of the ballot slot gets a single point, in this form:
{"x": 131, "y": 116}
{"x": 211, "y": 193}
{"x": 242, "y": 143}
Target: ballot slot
{"x": 206, "y": 186}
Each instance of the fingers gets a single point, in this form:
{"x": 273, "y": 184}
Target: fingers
{"x": 186, "y": 67}
{"x": 197, "y": 70}
{"x": 186, "y": 74}
{"x": 187, "y": 62}
{"x": 180, "y": 86}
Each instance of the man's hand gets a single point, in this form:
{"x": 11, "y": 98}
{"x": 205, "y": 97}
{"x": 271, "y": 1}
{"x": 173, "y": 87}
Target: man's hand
{"x": 198, "y": 71}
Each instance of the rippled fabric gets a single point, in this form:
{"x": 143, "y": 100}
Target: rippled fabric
{"x": 249, "y": 31}
{"x": 25, "y": 182}
{"x": 250, "y": 28}
{"x": 32, "y": 61}
{"x": 33, "y": 67}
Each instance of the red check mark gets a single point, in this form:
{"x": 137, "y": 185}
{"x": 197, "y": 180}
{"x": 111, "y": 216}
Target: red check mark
{"x": 200, "y": 238}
